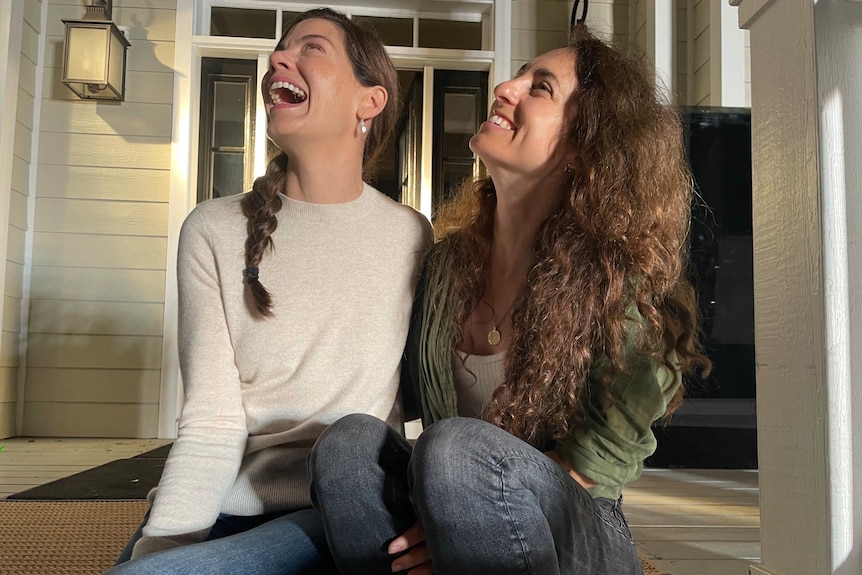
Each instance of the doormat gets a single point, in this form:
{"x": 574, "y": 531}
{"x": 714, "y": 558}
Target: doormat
{"x": 130, "y": 478}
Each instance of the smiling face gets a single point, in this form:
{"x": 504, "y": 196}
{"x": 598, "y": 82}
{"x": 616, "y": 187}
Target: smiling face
{"x": 311, "y": 89}
{"x": 528, "y": 116}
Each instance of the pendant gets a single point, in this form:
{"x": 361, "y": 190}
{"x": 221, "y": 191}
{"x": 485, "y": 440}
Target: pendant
{"x": 494, "y": 336}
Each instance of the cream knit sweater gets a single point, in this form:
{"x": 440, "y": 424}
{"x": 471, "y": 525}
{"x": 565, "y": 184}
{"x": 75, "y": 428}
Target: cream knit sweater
{"x": 258, "y": 392}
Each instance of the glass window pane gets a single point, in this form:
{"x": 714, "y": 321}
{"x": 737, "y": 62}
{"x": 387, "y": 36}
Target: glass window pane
{"x": 453, "y": 174}
{"x": 460, "y": 113}
{"x": 242, "y": 22}
{"x": 392, "y": 31}
{"x": 229, "y": 114}
{"x": 459, "y": 124}
{"x": 450, "y": 34}
{"x": 227, "y": 174}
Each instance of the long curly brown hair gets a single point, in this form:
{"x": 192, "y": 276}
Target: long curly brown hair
{"x": 617, "y": 239}
{"x": 372, "y": 67}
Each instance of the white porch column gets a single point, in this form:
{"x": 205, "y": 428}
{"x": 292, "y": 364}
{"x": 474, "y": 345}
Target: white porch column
{"x": 807, "y": 143}
{"x": 727, "y": 56}
{"x": 661, "y": 43}
{"x": 502, "y": 43}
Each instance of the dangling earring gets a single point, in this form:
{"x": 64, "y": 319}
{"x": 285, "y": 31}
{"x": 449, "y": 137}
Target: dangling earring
{"x": 362, "y": 127}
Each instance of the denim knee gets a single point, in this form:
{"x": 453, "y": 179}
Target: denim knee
{"x": 348, "y": 435}
{"x": 453, "y": 451}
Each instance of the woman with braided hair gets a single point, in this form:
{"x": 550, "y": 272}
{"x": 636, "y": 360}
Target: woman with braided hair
{"x": 294, "y": 305}
{"x": 553, "y": 326}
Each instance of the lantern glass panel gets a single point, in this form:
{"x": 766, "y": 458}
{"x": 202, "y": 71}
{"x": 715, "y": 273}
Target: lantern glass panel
{"x": 117, "y": 66}
{"x": 85, "y": 54}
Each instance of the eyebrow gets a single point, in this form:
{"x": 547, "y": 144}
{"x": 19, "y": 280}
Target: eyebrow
{"x": 543, "y": 73}
{"x": 308, "y": 37}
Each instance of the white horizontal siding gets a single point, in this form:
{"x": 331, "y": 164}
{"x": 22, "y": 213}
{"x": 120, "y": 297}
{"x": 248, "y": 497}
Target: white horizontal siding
{"x": 130, "y": 119}
{"x": 17, "y": 209}
{"x": 681, "y": 51}
{"x": 7, "y": 419}
{"x": 23, "y": 141}
{"x": 97, "y": 183}
{"x": 26, "y": 104}
{"x": 95, "y": 318}
{"x": 11, "y": 313}
{"x": 14, "y": 280}
{"x": 701, "y": 52}
{"x": 542, "y": 25}
{"x": 21, "y": 175}
{"x": 93, "y": 385}
{"x": 99, "y": 251}
{"x": 8, "y": 383}
{"x": 63, "y": 419}
{"x": 100, "y": 237}
{"x": 106, "y": 151}
{"x": 99, "y": 284}
{"x": 16, "y": 239}
{"x": 8, "y": 349}
{"x": 99, "y": 217}
{"x": 94, "y": 351}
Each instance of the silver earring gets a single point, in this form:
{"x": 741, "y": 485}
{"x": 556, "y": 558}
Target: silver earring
{"x": 568, "y": 169}
{"x": 362, "y": 127}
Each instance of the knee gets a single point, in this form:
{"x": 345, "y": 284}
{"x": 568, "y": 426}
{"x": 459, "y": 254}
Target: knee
{"x": 347, "y": 440}
{"x": 453, "y": 451}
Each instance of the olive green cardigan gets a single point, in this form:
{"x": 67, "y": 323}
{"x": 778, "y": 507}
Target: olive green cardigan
{"x": 610, "y": 449}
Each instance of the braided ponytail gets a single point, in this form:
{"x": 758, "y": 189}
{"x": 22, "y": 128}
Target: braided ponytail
{"x": 260, "y": 206}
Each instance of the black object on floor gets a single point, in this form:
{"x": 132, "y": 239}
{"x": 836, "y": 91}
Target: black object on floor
{"x": 121, "y": 479}
{"x": 704, "y": 448}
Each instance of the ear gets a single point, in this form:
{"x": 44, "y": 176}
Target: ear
{"x": 373, "y": 102}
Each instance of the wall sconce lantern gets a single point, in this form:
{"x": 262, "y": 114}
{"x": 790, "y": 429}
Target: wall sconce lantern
{"x": 94, "y": 55}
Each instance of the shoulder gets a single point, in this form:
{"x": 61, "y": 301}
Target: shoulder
{"x": 397, "y": 213}
{"x": 218, "y": 209}
{"x": 214, "y": 223}
{"x": 223, "y": 214}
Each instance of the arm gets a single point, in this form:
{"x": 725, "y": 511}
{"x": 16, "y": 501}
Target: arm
{"x": 410, "y": 393}
{"x": 205, "y": 458}
{"x": 610, "y": 449}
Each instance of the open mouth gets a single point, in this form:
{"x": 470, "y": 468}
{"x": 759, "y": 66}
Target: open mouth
{"x": 501, "y": 122}
{"x": 281, "y": 92}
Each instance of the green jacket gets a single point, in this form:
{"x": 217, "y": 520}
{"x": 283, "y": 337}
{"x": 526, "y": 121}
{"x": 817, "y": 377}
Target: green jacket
{"x": 609, "y": 449}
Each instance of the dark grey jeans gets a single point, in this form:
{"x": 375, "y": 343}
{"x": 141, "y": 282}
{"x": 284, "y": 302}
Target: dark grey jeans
{"x": 489, "y": 502}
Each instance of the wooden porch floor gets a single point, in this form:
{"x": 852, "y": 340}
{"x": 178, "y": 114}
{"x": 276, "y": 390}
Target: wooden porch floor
{"x": 688, "y": 522}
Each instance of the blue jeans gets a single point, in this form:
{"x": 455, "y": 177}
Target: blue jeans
{"x": 289, "y": 544}
{"x": 489, "y": 502}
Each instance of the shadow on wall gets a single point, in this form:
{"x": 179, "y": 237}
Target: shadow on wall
{"x": 93, "y": 372}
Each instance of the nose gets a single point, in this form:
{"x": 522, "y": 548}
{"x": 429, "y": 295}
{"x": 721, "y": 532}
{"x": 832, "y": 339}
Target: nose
{"x": 507, "y": 91}
{"x": 280, "y": 60}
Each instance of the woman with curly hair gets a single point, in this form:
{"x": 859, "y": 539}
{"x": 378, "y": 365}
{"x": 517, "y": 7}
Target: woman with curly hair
{"x": 553, "y": 326}
{"x": 294, "y": 307}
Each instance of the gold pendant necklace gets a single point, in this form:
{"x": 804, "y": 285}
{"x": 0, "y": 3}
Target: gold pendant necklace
{"x": 494, "y": 336}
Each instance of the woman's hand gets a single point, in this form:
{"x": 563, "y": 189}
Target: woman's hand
{"x": 585, "y": 481}
{"x": 416, "y": 561}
